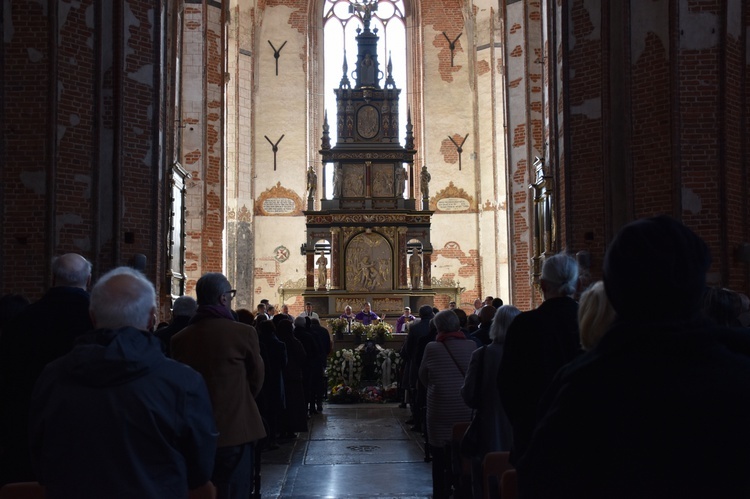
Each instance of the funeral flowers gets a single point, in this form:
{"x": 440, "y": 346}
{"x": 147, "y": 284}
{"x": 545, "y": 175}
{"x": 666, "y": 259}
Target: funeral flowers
{"x": 344, "y": 367}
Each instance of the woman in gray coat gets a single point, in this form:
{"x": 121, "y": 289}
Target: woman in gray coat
{"x": 442, "y": 371}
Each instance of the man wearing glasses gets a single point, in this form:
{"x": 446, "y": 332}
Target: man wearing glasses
{"x": 227, "y": 354}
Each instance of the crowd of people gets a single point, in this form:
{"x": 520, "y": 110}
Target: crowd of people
{"x": 100, "y": 402}
{"x": 633, "y": 387}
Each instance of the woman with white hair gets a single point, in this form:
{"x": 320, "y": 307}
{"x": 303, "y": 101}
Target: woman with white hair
{"x": 480, "y": 394}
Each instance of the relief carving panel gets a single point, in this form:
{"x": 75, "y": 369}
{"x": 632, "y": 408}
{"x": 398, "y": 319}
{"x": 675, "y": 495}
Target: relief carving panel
{"x": 368, "y": 263}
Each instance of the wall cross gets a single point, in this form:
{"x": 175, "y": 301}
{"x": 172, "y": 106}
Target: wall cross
{"x": 277, "y": 53}
{"x": 452, "y": 44}
{"x": 275, "y": 148}
{"x": 459, "y": 148}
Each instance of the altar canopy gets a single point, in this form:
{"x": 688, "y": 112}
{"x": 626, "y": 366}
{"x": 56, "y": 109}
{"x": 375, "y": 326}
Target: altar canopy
{"x": 371, "y": 240}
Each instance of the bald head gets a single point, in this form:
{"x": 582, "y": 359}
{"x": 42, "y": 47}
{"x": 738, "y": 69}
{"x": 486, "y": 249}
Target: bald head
{"x": 71, "y": 269}
{"x": 123, "y": 297}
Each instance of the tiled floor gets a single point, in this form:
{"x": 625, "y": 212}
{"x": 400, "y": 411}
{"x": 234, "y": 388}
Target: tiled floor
{"x": 351, "y": 451}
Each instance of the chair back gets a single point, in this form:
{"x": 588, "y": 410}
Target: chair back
{"x": 22, "y": 490}
{"x": 460, "y": 465}
{"x": 495, "y": 464}
{"x": 509, "y": 485}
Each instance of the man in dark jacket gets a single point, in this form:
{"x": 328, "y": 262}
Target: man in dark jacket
{"x": 115, "y": 418}
{"x": 660, "y": 407}
{"x": 44, "y": 331}
{"x": 537, "y": 344}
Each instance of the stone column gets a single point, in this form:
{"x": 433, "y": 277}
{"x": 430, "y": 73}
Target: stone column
{"x": 335, "y": 259}
{"x": 402, "y": 283}
{"x": 426, "y": 269}
{"x": 310, "y": 284}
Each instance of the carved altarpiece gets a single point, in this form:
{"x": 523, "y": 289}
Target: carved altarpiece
{"x": 371, "y": 226}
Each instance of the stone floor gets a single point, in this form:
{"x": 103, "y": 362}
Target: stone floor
{"x": 351, "y": 451}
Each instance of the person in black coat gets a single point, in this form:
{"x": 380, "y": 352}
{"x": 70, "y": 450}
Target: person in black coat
{"x": 323, "y": 339}
{"x": 183, "y": 310}
{"x": 41, "y": 333}
{"x": 482, "y": 334}
{"x": 311, "y": 368}
{"x": 271, "y": 399}
{"x": 538, "y": 343}
{"x": 409, "y": 353}
{"x": 660, "y": 407}
{"x": 294, "y": 418}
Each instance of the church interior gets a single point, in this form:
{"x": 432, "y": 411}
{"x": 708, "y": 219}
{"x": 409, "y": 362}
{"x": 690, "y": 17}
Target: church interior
{"x": 192, "y": 136}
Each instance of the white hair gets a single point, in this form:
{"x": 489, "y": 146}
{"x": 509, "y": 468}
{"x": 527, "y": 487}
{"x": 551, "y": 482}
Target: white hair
{"x": 560, "y": 271}
{"x": 122, "y": 297}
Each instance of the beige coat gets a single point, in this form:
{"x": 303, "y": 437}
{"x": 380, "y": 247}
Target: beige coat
{"x": 227, "y": 354}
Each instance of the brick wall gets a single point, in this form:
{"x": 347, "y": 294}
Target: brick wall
{"x": 82, "y": 159}
{"x": 656, "y": 125}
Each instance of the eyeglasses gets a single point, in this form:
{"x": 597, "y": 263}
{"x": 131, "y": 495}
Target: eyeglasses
{"x": 232, "y": 293}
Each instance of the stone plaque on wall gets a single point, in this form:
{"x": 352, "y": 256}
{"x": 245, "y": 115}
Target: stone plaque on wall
{"x": 453, "y": 204}
{"x": 453, "y": 199}
{"x": 278, "y": 201}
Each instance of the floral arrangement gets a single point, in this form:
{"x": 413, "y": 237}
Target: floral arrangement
{"x": 380, "y": 394}
{"x": 344, "y": 367}
{"x": 387, "y": 365}
{"x": 343, "y": 394}
{"x": 380, "y": 329}
{"x": 337, "y": 326}
{"x": 359, "y": 329}
{"x": 372, "y": 394}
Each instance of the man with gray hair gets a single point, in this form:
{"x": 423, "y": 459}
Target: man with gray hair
{"x": 227, "y": 354}
{"x": 115, "y": 418}
{"x": 41, "y": 333}
{"x": 538, "y": 343}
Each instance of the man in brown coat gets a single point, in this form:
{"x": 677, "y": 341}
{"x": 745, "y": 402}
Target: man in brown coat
{"x": 227, "y": 354}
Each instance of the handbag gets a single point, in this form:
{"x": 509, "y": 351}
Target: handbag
{"x": 471, "y": 442}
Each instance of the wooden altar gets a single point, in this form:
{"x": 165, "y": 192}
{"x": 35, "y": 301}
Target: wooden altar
{"x": 371, "y": 240}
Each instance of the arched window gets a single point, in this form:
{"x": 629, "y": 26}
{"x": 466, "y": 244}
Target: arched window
{"x": 340, "y": 25}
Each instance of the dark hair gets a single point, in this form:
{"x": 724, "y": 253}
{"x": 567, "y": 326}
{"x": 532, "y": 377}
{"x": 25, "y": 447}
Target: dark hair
{"x": 461, "y": 316}
{"x": 209, "y": 288}
{"x": 497, "y": 302}
{"x": 245, "y": 316}
{"x": 655, "y": 270}
{"x": 426, "y": 312}
{"x": 266, "y": 327}
{"x": 278, "y": 318}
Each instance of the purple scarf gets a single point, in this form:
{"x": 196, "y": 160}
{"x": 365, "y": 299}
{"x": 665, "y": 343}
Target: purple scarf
{"x": 211, "y": 312}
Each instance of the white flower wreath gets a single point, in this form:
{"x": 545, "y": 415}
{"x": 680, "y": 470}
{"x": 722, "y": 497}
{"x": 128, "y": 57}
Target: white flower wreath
{"x": 387, "y": 366}
{"x": 344, "y": 367}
